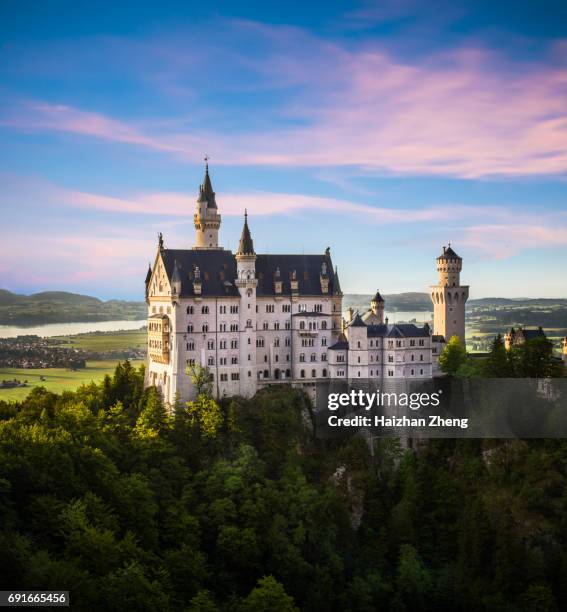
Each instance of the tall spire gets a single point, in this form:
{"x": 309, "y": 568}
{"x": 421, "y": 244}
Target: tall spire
{"x": 246, "y": 246}
{"x": 206, "y": 193}
{"x": 336, "y": 283}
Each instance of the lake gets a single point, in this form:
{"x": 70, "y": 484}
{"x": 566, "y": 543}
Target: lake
{"x": 67, "y": 329}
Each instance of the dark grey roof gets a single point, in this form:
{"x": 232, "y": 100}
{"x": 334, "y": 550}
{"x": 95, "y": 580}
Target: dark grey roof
{"x": 246, "y": 246}
{"x": 176, "y": 275}
{"x": 337, "y": 284}
{"x": 217, "y": 267}
{"x": 378, "y": 297}
{"x": 341, "y": 344}
{"x": 438, "y": 338}
{"x": 306, "y": 267}
{"x": 206, "y": 193}
{"x": 149, "y": 274}
{"x": 357, "y": 321}
{"x": 398, "y": 330}
{"x": 448, "y": 253}
{"x": 218, "y": 272}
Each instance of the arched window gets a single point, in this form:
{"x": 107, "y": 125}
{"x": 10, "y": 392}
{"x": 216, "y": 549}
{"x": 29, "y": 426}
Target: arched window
{"x": 323, "y": 324}
{"x": 189, "y": 309}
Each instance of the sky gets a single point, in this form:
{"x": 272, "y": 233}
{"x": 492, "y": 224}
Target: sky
{"x": 383, "y": 130}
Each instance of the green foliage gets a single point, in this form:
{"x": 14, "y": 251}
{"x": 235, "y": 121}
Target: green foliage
{"x": 205, "y": 414}
{"x": 453, "y": 356}
{"x": 269, "y": 596}
{"x": 235, "y": 506}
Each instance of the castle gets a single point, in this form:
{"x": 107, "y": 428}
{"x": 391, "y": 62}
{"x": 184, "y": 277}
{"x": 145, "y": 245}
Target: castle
{"x": 256, "y": 319}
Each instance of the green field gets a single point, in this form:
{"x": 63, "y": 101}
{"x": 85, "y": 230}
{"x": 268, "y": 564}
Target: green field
{"x": 56, "y": 379}
{"x": 102, "y": 342}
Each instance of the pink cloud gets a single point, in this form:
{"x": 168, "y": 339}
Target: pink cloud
{"x": 466, "y": 113}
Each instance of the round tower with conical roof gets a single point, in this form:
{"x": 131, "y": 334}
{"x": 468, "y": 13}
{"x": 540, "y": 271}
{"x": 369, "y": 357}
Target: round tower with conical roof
{"x": 449, "y": 297}
{"x": 207, "y": 219}
{"x": 377, "y": 306}
{"x": 247, "y": 284}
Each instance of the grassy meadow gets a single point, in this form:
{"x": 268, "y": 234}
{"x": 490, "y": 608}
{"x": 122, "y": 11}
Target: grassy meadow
{"x": 56, "y": 379}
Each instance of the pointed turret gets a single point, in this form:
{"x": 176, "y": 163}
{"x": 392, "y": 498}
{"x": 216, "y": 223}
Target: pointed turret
{"x": 206, "y": 193}
{"x": 246, "y": 246}
{"x": 148, "y": 279}
{"x": 176, "y": 280}
{"x": 336, "y": 283}
{"x": 206, "y": 218}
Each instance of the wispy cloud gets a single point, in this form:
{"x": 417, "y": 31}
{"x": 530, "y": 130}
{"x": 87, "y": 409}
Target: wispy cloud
{"x": 468, "y": 112}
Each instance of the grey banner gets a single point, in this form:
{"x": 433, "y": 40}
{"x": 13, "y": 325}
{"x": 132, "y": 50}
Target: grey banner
{"x": 33, "y": 599}
{"x": 443, "y": 408}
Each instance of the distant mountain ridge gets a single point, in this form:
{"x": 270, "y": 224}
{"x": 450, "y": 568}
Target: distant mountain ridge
{"x": 64, "y": 307}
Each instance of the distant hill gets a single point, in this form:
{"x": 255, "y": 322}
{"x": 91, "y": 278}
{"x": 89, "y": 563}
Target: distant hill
{"x": 410, "y": 301}
{"x": 64, "y": 307}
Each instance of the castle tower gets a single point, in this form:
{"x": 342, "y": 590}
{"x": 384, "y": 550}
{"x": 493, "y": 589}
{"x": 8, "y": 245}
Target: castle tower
{"x": 377, "y": 306}
{"x": 246, "y": 284}
{"x": 449, "y": 297}
{"x": 206, "y": 218}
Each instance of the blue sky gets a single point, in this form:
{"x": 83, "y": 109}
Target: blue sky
{"x": 383, "y": 130}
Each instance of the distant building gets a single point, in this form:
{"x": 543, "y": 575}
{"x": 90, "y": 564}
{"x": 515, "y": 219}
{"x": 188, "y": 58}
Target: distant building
{"x": 515, "y": 337}
{"x": 449, "y": 297}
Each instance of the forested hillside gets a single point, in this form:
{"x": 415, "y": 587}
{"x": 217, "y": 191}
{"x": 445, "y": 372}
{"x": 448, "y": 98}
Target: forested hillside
{"x": 237, "y": 507}
{"x": 64, "y": 307}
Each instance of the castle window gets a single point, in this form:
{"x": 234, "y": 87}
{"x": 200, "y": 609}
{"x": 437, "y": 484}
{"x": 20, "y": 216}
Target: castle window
{"x": 269, "y": 308}
{"x": 303, "y": 308}
{"x": 222, "y": 327}
{"x": 288, "y": 342}
{"x": 235, "y": 376}
{"x": 234, "y": 360}
{"x": 210, "y": 345}
{"x": 324, "y": 357}
{"x": 421, "y": 342}
{"x": 190, "y": 362}
{"x": 222, "y": 309}
{"x": 413, "y": 357}
{"x": 390, "y": 373}
{"x": 276, "y": 357}
{"x": 323, "y": 324}
{"x": 190, "y": 346}
{"x": 205, "y": 328}
{"x": 287, "y": 325}
{"x": 412, "y": 372}
{"x": 302, "y": 325}
{"x": 399, "y": 343}
{"x": 412, "y": 342}
{"x": 313, "y": 373}
{"x": 234, "y": 327}
{"x": 211, "y": 361}
{"x": 390, "y": 344}
{"x": 318, "y": 308}
{"x": 234, "y": 344}
{"x": 189, "y": 309}
{"x": 324, "y": 373}
{"x": 313, "y": 357}
{"x": 421, "y": 372}
{"x": 323, "y": 341}
{"x": 224, "y": 377}
{"x": 421, "y": 357}
{"x": 234, "y": 310}
{"x": 390, "y": 359}
{"x": 276, "y": 325}
{"x": 205, "y": 310}
{"x": 222, "y": 344}
{"x": 286, "y": 307}
{"x": 302, "y": 357}
{"x": 359, "y": 360}
{"x": 302, "y": 374}
{"x": 190, "y": 329}
{"x": 277, "y": 342}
